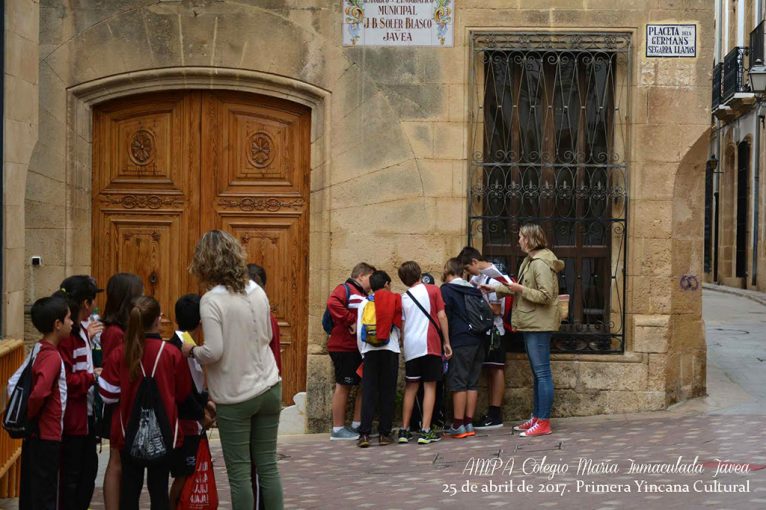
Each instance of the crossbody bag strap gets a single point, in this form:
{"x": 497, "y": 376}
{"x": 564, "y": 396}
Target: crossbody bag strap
{"x": 436, "y": 325}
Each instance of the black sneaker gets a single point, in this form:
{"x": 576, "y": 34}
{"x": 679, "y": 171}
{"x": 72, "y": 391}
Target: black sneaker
{"x": 363, "y": 441}
{"x": 404, "y": 436}
{"x": 487, "y": 423}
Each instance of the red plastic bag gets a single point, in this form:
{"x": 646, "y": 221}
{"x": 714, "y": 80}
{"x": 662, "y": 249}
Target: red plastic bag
{"x": 199, "y": 491}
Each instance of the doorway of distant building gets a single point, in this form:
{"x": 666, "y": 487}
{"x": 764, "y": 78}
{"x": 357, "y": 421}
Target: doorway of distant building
{"x": 169, "y": 166}
{"x": 743, "y": 174}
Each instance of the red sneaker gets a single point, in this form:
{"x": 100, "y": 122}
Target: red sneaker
{"x": 541, "y": 428}
{"x": 526, "y": 425}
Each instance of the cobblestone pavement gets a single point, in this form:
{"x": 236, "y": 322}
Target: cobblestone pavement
{"x": 584, "y": 464}
{"x": 499, "y": 469}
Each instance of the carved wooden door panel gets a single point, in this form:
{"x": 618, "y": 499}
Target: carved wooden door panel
{"x": 169, "y": 166}
{"x": 255, "y": 184}
{"x": 146, "y": 169}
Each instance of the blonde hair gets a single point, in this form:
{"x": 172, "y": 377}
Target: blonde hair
{"x": 534, "y": 235}
{"x": 220, "y": 260}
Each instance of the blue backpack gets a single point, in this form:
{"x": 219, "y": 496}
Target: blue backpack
{"x": 327, "y": 322}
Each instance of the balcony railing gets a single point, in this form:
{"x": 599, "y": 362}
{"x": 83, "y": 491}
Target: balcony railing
{"x": 717, "y": 83}
{"x": 757, "y": 56}
{"x": 734, "y": 73}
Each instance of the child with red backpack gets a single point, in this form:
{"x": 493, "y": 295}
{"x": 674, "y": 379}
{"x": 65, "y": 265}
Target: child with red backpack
{"x": 378, "y": 330}
{"x": 151, "y": 382}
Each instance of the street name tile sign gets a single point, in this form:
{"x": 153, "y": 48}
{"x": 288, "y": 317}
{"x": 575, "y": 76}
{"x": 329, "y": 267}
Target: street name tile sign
{"x": 671, "y": 40}
{"x": 398, "y": 23}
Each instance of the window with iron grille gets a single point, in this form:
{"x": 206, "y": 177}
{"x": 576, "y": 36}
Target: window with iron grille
{"x": 549, "y": 122}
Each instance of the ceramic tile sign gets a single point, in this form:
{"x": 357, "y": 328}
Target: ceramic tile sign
{"x": 671, "y": 40}
{"x": 398, "y": 22}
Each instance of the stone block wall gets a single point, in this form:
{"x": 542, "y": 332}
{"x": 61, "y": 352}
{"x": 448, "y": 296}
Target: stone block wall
{"x": 20, "y": 135}
{"x": 389, "y": 159}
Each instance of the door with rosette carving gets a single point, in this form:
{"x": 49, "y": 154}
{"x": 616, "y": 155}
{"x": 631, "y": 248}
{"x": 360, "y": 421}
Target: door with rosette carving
{"x": 255, "y": 174}
{"x": 170, "y": 166}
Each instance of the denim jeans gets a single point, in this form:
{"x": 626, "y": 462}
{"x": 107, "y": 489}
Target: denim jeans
{"x": 538, "y": 346}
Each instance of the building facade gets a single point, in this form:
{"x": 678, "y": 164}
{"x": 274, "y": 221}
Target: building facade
{"x": 734, "y": 242}
{"x": 131, "y": 127}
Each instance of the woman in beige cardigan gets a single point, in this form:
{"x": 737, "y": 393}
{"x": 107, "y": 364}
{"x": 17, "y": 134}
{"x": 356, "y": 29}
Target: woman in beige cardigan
{"x": 241, "y": 371}
{"x": 536, "y": 315}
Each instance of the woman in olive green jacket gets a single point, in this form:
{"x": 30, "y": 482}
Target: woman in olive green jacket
{"x": 536, "y": 315}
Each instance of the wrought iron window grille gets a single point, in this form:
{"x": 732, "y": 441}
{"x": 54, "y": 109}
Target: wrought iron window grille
{"x": 549, "y": 121}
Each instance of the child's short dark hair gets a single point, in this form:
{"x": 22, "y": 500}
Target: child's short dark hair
{"x": 378, "y": 280}
{"x": 409, "y": 273}
{"x": 468, "y": 253}
{"x": 187, "y": 312}
{"x": 257, "y": 274}
{"x": 46, "y": 311}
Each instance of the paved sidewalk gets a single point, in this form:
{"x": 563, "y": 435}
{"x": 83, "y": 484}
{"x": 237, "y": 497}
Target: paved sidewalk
{"x": 707, "y": 446}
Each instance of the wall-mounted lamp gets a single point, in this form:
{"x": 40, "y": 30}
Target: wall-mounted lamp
{"x": 712, "y": 164}
{"x": 758, "y": 77}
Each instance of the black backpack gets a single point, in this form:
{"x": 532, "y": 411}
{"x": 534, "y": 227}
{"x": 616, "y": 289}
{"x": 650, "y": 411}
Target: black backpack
{"x": 478, "y": 314}
{"x": 148, "y": 439}
{"x": 15, "y": 417}
{"x": 327, "y": 322}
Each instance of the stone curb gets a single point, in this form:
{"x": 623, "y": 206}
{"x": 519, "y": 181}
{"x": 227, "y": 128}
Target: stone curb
{"x": 758, "y": 297}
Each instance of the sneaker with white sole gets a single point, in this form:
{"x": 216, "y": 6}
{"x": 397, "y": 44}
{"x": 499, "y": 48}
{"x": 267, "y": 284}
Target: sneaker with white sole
{"x": 404, "y": 436}
{"x": 344, "y": 434}
{"x": 541, "y": 428}
{"x": 526, "y": 425}
{"x": 487, "y": 423}
{"x": 429, "y": 436}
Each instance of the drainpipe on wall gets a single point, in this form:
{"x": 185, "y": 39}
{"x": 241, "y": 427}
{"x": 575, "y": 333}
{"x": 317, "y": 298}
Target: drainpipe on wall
{"x": 722, "y": 18}
{"x": 2, "y": 159}
{"x": 756, "y": 188}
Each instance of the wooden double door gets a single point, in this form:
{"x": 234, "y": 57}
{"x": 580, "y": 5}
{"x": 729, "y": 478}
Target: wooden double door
{"x": 169, "y": 166}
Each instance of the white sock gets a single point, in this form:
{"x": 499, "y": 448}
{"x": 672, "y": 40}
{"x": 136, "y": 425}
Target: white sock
{"x": 355, "y": 424}
{"x": 337, "y": 429}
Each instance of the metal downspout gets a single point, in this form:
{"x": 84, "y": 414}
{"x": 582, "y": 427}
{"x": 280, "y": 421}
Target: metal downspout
{"x": 756, "y": 190}
{"x": 719, "y": 51}
{"x": 2, "y": 163}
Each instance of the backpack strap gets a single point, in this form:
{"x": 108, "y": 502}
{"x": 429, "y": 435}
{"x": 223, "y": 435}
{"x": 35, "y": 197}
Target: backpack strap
{"x": 156, "y": 360}
{"x": 431, "y": 319}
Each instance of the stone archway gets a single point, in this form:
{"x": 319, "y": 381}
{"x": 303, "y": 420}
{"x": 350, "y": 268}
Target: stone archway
{"x": 687, "y": 351}
{"x": 82, "y": 98}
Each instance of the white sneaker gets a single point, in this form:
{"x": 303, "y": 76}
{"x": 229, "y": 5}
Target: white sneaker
{"x": 344, "y": 434}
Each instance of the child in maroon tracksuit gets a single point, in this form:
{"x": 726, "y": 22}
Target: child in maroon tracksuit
{"x": 40, "y": 452}
{"x": 144, "y": 352}
{"x": 194, "y": 414}
{"x": 79, "y": 457}
{"x": 121, "y": 290}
